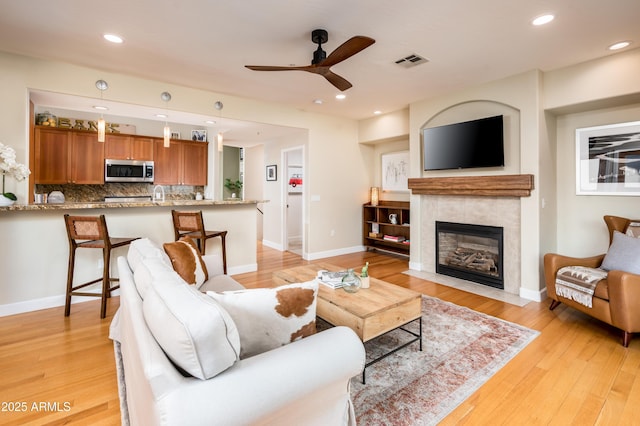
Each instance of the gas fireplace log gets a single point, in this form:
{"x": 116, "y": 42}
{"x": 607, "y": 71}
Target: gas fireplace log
{"x": 472, "y": 259}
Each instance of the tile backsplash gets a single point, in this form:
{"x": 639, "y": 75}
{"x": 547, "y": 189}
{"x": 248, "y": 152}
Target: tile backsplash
{"x": 97, "y": 193}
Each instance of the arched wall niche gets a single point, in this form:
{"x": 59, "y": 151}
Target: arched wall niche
{"x": 473, "y": 110}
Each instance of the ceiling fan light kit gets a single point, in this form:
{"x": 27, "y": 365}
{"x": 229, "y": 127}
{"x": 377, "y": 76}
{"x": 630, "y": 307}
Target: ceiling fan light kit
{"x": 321, "y": 63}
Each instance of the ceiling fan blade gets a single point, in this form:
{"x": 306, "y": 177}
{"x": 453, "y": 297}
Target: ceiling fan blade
{"x": 276, "y": 68}
{"x": 336, "y": 80}
{"x": 347, "y": 49}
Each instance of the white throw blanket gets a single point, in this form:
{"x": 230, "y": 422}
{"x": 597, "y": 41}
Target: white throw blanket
{"x": 579, "y": 283}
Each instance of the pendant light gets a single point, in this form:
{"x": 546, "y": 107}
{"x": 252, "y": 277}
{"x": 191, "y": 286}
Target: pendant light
{"x": 218, "y": 105}
{"x": 102, "y": 86}
{"x": 166, "y": 97}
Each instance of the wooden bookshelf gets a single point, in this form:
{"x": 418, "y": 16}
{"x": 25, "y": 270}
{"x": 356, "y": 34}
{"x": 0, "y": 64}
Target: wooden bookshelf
{"x": 376, "y": 218}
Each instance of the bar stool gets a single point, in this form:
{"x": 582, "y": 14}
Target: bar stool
{"x": 91, "y": 232}
{"x": 190, "y": 224}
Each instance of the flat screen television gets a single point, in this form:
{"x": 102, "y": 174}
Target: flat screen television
{"x": 470, "y": 144}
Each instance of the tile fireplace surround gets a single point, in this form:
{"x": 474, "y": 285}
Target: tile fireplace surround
{"x": 479, "y": 200}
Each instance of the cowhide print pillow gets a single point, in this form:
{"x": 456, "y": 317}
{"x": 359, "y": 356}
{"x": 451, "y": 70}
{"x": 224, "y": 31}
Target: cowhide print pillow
{"x": 268, "y": 318}
{"x": 186, "y": 261}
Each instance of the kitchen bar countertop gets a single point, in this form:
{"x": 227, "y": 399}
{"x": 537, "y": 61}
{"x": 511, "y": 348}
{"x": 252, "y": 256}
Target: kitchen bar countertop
{"x": 110, "y": 205}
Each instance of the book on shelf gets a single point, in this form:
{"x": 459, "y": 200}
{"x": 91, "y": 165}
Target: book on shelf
{"x": 394, "y": 238}
{"x": 331, "y": 279}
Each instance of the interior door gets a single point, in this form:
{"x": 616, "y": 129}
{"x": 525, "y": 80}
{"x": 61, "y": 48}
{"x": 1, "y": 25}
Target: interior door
{"x": 294, "y": 196}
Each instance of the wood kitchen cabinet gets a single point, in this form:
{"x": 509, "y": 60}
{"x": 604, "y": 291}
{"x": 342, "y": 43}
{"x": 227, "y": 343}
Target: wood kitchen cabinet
{"x": 183, "y": 163}
{"x": 51, "y": 156}
{"x": 64, "y": 157}
{"x": 127, "y": 147}
{"x": 86, "y": 159}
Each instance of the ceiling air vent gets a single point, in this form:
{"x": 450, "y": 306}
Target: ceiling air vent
{"x": 411, "y": 61}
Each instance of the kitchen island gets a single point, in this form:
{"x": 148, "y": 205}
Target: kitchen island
{"x": 34, "y": 253}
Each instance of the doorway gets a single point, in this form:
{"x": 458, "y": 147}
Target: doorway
{"x": 294, "y": 178}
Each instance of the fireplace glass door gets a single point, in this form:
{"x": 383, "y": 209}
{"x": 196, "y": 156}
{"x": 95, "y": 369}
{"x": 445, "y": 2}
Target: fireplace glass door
{"x": 470, "y": 252}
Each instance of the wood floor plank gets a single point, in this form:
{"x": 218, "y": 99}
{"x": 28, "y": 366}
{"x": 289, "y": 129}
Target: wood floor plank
{"x": 575, "y": 372}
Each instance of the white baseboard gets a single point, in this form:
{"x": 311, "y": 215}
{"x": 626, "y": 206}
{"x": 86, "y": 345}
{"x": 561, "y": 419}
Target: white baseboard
{"x": 271, "y": 244}
{"x": 331, "y": 253}
{"x": 233, "y": 270}
{"x": 43, "y": 303}
{"x": 57, "y": 301}
{"x": 416, "y": 266}
{"x": 536, "y": 296}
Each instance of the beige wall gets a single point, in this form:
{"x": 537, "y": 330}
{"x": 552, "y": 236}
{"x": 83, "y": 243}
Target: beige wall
{"x": 551, "y": 106}
{"x": 341, "y": 159}
{"x": 518, "y": 98}
{"x": 332, "y": 204}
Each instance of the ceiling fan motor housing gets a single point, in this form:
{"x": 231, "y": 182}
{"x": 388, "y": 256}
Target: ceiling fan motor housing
{"x": 319, "y": 37}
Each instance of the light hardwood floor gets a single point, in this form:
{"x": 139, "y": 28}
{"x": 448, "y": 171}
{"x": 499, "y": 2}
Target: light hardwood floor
{"x": 58, "y": 370}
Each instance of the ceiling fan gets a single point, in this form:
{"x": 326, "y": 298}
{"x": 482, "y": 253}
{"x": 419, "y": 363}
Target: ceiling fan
{"x": 321, "y": 63}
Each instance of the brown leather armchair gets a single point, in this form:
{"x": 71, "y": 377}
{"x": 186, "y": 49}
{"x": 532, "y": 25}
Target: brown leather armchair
{"x": 616, "y": 300}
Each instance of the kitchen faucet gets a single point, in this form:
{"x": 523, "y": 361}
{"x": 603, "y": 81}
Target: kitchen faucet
{"x": 158, "y": 193}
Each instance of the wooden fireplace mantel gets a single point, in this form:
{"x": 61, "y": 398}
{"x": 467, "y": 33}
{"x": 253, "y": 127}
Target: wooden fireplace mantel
{"x": 477, "y": 186}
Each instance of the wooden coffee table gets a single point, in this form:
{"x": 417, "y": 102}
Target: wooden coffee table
{"x": 370, "y": 312}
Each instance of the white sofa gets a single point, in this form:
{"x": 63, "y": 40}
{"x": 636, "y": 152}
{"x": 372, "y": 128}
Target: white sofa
{"x": 303, "y": 383}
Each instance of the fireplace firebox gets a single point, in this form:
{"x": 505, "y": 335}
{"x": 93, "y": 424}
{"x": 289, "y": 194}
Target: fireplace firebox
{"x": 470, "y": 252}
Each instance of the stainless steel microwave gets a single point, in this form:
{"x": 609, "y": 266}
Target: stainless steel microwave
{"x": 128, "y": 171}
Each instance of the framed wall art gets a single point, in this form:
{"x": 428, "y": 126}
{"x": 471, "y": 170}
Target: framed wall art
{"x": 272, "y": 172}
{"x": 395, "y": 171}
{"x": 295, "y": 180}
{"x": 608, "y": 159}
{"x": 199, "y": 135}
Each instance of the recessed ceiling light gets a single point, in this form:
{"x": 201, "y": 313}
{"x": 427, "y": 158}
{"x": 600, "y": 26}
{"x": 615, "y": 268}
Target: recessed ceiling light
{"x": 341, "y": 96}
{"x": 100, "y": 107}
{"x": 619, "y": 45}
{"x": 210, "y": 122}
{"x": 162, "y": 115}
{"x": 113, "y": 38}
{"x": 543, "y": 19}
{"x": 317, "y": 101}
{"x": 378, "y": 112}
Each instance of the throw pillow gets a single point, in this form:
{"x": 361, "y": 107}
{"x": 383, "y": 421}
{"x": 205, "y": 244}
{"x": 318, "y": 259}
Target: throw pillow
{"x": 186, "y": 261}
{"x": 144, "y": 248}
{"x": 152, "y": 270}
{"x": 623, "y": 254}
{"x": 268, "y": 318}
{"x": 195, "y": 332}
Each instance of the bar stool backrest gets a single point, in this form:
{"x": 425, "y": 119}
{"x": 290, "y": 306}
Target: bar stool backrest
{"x": 187, "y": 221}
{"x": 87, "y": 228}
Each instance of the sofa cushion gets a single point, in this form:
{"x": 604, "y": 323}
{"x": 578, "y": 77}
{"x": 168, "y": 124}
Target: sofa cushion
{"x": 195, "y": 332}
{"x": 186, "y": 260}
{"x": 268, "y": 318}
{"x": 623, "y": 254}
{"x": 144, "y": 248}
{"x": 220, "y": 283}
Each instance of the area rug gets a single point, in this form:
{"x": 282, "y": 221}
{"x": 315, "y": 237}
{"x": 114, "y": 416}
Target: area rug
{"x": 462, "y": 349}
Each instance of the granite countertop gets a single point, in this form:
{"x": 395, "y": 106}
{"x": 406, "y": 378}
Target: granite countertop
{"x": 115, "y": 205}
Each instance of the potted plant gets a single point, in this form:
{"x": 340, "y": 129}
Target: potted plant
{"x": 9, "y": 167}
{"x": 232, "y": 186}
{"x": 364, "y": 276}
